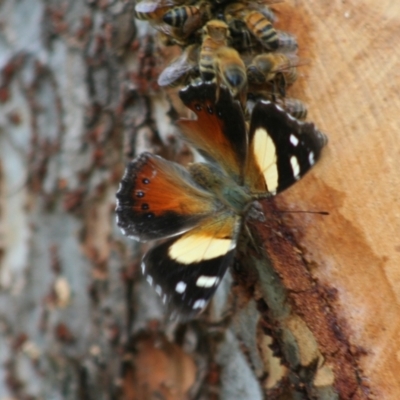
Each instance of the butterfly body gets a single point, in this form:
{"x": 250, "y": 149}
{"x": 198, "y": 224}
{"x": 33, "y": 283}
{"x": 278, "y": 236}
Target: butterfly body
{"x": 200, "y": 211}
{"x": 226, "y": 190}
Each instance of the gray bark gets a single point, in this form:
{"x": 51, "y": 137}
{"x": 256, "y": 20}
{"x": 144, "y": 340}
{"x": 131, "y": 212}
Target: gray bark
{"x": 76, "y": 104}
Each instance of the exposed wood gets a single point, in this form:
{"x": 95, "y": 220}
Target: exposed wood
{"x": 352, "y": 89}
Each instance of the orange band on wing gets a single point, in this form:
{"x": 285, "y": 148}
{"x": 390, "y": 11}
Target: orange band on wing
{"x": 219, "y": 131}
{"x": 158, "y": 198}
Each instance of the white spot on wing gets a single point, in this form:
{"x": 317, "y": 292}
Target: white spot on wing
{"x": 291, "y": 117}
{"x": 164, "y": 299}
{"x": 207, "y": 281}
{"x": 295, "y": 166}
{"x": 143, "y": 267}
{"x": 194, "y": 248}
{"x": 200, "y": 303}
{"x": 278, "y": 107}
{"x": 265, "y": 152}
{"x": 158, "y": 290}
{"x": 180, "y": 287}
{"x": 149, "y": 279}
{"x": 293, "y": 139}
{"x": 311, "y": 159}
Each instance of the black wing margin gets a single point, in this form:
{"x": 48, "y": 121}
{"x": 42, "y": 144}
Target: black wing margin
{"x": 282, "y": 148}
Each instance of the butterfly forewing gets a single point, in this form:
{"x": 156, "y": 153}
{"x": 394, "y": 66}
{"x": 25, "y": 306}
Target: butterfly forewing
{"x": 281, "y": 148}
{"x": 219, "y": 132}
{"x": 158, "y": 199}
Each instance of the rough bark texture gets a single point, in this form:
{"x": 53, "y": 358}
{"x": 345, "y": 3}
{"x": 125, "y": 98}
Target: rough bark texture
{"x": 316, "y": 316}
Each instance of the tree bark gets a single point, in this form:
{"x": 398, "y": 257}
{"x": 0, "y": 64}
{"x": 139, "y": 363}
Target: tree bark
{"x": 314, "y": 314}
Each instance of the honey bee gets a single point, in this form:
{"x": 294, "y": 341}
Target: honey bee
{"x": 182, "y": 69}
{"x": 215, "y": 36}
{"x": 241, "y": 39}
{"x": 231, "y": 71}
{"x": 154, "y": 12}
{"x": 191, "y": 17}
{"x": 257, "y": 20}
{"x": 277, "y": 68}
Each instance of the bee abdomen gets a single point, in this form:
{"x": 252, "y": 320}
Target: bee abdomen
{"x": 179, "y": 15}
{"x": 263, "y": 30}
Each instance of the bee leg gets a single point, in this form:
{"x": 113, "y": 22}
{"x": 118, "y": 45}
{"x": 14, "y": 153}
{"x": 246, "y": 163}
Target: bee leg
{"x": 218, "y": 82}
{"x": 280, "y": 84}
{"x": 243, "y": 97}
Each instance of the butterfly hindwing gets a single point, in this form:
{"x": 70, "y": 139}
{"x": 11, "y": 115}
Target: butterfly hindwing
{"x": 219, "y": 132}
{"x": 158, "y": 199}
{"x": 186, "y": 271}
{"x": 281, "y": 148}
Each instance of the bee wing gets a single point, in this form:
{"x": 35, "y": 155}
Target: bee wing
{"x": 262, "y": 7}
{"x": 287, "y": 42}
{"x": 182, "y": 65}
{"x": 192, "y": 24}
{"x": 299, "y": 62}
{"x": 293, "y": 61}
{"x": 148, "y": 6}
{"x": 173, "y": 73}
{"x": 176, "y": 34}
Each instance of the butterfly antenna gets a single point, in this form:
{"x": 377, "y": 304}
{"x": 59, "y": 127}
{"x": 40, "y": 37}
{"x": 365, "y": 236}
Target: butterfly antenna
{"x": 304, "y": 212}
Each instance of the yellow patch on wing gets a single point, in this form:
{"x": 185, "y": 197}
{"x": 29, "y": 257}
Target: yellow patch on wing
{"x": 196, "y": 248}
{"x": 212, "y": 239}
{"x": 265, "y": 153}
{"x": 295, "y": 166}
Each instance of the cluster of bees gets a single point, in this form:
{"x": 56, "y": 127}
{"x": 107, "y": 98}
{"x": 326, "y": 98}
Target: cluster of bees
{"x": 231, "y": 42}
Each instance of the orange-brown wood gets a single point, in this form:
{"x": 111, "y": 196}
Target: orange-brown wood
{"x": 351, "y": 86}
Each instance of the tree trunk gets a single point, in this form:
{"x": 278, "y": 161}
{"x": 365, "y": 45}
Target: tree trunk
{"x": 314, "y": 314}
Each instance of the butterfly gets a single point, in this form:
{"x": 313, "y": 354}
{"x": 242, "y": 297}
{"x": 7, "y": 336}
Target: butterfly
{"x": 199, "y": 211}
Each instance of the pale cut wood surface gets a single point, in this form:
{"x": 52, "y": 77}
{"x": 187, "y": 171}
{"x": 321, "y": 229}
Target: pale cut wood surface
{"x": 352, "y": 87}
